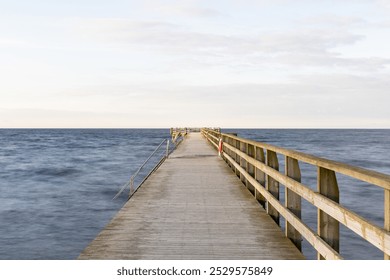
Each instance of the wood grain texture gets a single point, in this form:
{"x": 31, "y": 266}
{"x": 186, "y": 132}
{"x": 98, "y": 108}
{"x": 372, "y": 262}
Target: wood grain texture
{"x": 272, "y": 185}
{"x": 328, "y": 227}
{"x": 369, "y": 231}
{"x": 192, "y": 207}
{"x": 369, "y": 176}
{"x": 314, "y": 239}
{"x": 293, "y": 201}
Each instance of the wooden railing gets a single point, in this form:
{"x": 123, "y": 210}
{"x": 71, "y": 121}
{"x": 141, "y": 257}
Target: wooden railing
{"x": 178, "y": 132}
{"x": 256, "y": 164}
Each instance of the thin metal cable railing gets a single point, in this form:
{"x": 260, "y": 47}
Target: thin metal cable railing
{"x": 150, "y": 165}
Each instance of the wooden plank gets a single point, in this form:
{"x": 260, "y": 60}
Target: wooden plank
{"x": 260, "y": 176}
{"x": 225, "y": 139}
{"x": 210, "y": 140}
{"x": 250, "y": 168}
{"x": 213, "y": 138}
{"x": 243, "y": 148}
{"x": 369, "y": 176}
{"x": 192, "y": 207}
{"x": 377, "y": 236}
{"x": 328, "y": 227}
{"x": 314, "y": 239}
{"x": 272, "y": 185}
{"x": 238, "y": 159}
{"x": 233, "y": 154}
{"x": 293, "y": 201}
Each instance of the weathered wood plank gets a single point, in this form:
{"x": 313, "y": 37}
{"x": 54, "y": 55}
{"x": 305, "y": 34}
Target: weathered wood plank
{"x": 293, "y": 200}
{"x": 328, "y": 227}
{"x": 260, "y": 176}
{"x": 243, "y": 148}
{"x": 272, "y": 185}
{"x": 314, "y": 239}
{"x": 377, "y": 236}
{"x": 250, "y": 168}
{"x": 192, "y": 207}
{"x": 369, "y": 176}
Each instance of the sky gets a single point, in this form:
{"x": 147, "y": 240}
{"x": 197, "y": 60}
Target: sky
{"x": 230, "y": 63}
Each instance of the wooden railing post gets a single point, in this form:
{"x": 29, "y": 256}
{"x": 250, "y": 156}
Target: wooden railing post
{"x": 387, "y": 217}
{"x": 293, "y": 200}
{"x": 328, "y": 227}
{"x": 250, "y": 168}
{"x": 238, "y": 159}
{"x": 233, "y": 154}
{"x": 243, "y": 148}
{"x": 229, "y": 152}
{"x": 272, "y": 185}
{"x": 260, "y": 176}
{"x": 224, "y": 140}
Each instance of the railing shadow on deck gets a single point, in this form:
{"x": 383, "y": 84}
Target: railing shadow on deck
{"x": 256, "y": 164}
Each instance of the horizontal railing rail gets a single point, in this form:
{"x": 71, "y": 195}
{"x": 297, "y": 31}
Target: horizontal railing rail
{"x": 161, "y": 152}
{"x": 256, "y": 164}
{"x": 182, "y": 131}
{"x": 178, "y": 132}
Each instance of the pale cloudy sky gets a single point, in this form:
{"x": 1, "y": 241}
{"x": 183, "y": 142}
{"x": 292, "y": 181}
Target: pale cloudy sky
{"x": 230, "y": 63}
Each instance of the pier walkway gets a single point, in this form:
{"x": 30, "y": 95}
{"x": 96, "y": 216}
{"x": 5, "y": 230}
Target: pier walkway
{"x": 192, "y": 207}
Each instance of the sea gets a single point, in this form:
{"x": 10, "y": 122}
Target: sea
{"x": 57, "y": 185}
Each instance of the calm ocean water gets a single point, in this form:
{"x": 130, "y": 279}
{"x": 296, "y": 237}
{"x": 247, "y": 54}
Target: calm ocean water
{"x": 57, "y": 185}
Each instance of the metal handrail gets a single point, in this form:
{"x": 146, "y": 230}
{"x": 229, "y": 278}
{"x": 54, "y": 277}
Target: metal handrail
{"x": 131, "y": 181}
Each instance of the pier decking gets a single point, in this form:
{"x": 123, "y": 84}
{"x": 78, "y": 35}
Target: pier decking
{"x": 192, "y": 207}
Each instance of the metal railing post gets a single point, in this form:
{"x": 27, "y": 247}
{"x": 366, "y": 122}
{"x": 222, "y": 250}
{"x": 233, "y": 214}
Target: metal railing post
{"x": 167, "y": 154}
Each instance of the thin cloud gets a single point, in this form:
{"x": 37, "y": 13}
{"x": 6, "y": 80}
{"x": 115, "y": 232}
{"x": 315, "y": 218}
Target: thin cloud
{"x": 181, "y": 9}
{"x": 330, "y": 60}
{"x": 383, "y": 3}
{"x": 196, "y": 12}
{"x": 332, "y": 20}
{"x": 171, "y": 36}
{"x": 304, "y": 47}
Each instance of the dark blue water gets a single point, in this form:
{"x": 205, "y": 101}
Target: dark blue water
{"x": 56, "y": 186}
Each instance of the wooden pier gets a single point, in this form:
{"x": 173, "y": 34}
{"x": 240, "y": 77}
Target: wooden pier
{"x": 192, "y": 207}
{"x": 198, "y": 205}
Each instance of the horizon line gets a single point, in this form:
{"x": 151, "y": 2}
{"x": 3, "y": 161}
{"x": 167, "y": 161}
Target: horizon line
{"x": 367, "y": 128}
